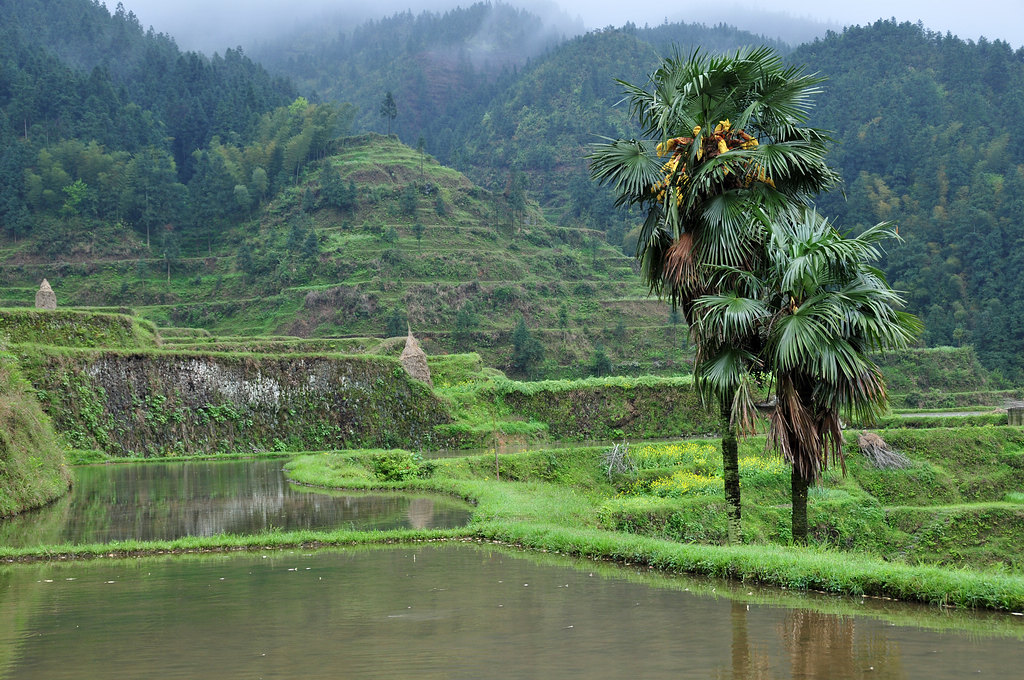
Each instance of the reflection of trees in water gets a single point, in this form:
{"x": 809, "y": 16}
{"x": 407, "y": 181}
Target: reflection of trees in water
{"x": 165, "y": 501}
{"x": 750, "y": 661}
{"x": 828, "y": 647}
{"x": 819, "y": 646}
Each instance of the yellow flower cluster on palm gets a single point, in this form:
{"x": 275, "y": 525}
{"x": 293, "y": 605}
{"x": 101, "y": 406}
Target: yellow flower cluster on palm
{"x": 721, "y": 141}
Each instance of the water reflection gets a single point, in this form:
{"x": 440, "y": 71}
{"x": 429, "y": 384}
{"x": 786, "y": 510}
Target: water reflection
{"x": 157, "y": 501}
{"x": 440, "y": 612}
{"x": 817, "y": 645}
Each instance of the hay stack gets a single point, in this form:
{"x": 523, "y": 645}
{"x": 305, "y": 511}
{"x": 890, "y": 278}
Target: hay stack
{"x": 878, "y": 452}
{"x": 414, "y": 360}
{"x": 45, "y": 297}
{"x": 1015, "y": 413}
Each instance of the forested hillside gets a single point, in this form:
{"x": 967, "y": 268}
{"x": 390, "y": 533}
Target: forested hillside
{"x": 116, "y": 144}
{"x": 493, "y": 91}
{"x": 922, "y": 127}
{"x": 443, "y": 69}
{"x": 118, "y": 147}
{"x": 73, "y": 70}
{"x": 926, "y": 136}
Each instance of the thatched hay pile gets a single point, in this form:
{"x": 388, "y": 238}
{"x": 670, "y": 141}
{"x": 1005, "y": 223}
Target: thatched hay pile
{"x": 45, "y": 297}
{"x": 414, "y": 360}
{"x": 879, "y": 453}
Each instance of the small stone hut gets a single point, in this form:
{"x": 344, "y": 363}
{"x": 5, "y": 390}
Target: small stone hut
{"x": 45, "y": 297}
{"x": 414, "y": 360}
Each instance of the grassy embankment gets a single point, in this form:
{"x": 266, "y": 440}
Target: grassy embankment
{"x": 878, "y": 532}
{"x": 32, "y": 467}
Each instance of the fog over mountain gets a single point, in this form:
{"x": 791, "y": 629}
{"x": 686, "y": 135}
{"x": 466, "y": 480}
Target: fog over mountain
{"x": 212, "y": 25}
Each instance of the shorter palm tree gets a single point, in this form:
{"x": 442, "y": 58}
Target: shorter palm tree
{"x": 819, "y": 308}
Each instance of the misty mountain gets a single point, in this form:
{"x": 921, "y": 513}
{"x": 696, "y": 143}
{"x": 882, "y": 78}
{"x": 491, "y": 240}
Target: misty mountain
{"x": 922, "y": 123}
{"x": 74, "y": 70}
{"x": 440, "y": 66}
{"x": 483, "y": 85}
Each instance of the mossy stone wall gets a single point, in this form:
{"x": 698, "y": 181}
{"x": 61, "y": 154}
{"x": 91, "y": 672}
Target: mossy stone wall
{"x": 158, "y": 403}
{"x": 647, "y": 410}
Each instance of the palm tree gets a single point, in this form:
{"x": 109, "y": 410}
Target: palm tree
{"x": 819, "y": 307}
{"x": 734, "y": 130}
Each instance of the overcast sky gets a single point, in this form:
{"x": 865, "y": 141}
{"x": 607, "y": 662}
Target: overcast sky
{"x": 216, "y": 24}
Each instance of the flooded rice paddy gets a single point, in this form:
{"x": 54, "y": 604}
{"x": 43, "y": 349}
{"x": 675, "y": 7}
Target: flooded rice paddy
{"x": 460, "y": 611}
{"x": 157, "y": 501}
{"x": 453, "y": 610}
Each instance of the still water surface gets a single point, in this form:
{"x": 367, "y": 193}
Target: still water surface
{"x": 156, "y": 501}
{"x": 459, "y": 611}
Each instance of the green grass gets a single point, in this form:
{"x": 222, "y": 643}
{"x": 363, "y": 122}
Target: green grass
{"x": 922, "y": 421}
{"x": 981, "y": 409}
{"x": 70, "y": 328}
{"x": 32, "y": 465}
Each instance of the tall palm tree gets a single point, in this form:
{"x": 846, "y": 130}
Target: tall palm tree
{"x": 725, "y": 141}
{"x": 820, "y": 308}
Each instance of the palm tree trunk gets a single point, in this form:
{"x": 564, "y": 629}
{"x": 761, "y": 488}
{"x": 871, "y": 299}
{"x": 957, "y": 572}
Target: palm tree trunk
{"x": 731, "y": 474}
{"x": 798, "y": 489}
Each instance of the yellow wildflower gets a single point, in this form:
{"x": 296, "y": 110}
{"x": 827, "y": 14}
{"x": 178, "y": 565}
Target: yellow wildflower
{"x": 723, "y": 126}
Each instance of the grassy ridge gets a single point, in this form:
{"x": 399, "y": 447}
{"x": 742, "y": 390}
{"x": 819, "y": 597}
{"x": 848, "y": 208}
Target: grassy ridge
{"x": 71, "y": 328}
{"x": 554, "y": 501}
{"x": 32, "y": 467}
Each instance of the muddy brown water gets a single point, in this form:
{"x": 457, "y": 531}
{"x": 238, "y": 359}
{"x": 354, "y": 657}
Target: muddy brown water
{"x": 156, "y": 501}
{"x": 459, "y": 611}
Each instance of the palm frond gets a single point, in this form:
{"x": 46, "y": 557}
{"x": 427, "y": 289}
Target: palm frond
{"x": 628, "y": 165}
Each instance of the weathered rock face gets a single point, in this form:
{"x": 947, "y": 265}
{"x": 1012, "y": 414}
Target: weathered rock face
{"x": 45, "y": 297}
{"x": 152, "y": 403}
{"x": 414, "y": 360}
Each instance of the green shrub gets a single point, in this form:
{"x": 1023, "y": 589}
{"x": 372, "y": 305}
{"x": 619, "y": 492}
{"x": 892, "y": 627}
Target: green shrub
{"x": 398, "y": 466}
